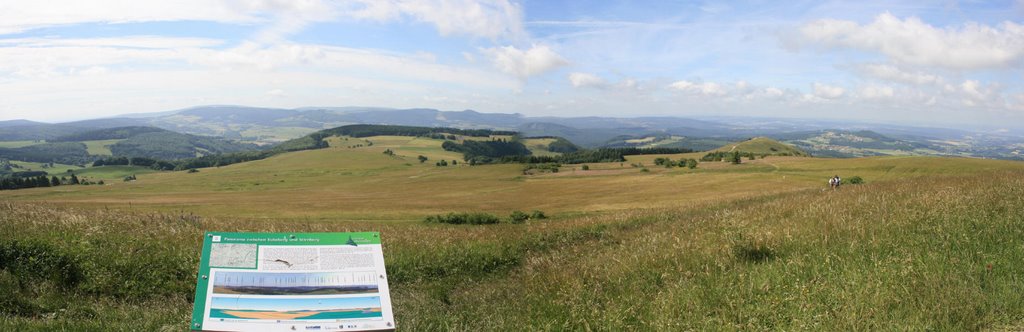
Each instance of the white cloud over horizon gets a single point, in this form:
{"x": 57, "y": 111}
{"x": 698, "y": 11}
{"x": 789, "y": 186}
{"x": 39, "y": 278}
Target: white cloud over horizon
{"x": 536, "y": 60}
{"x": 871, "y": 61}
{"x": 969, "y": 46}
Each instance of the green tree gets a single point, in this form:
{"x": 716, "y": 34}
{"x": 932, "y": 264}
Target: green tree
{"x": 736, "y": 158}
{"x": 518, "y": 217}
{"x": 691, "y": 163}
{"x": 74, "y": 179}
{"x": 422, "y": 158}
{"x": 54, "y": 181}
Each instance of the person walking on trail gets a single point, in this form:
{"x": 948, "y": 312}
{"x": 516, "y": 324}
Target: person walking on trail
{"x": 834, "y": 182}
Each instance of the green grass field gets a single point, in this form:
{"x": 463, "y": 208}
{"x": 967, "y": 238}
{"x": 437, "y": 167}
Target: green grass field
{"x": 57, "y": 169}
{"x": 100, "y": 148}
{"x": 539, "y": 146}
{"x": 763, "y": 145}
{"x": 116, "y": 172}
{"x": 18, "y": 144}
{"x": 925, "y": 244}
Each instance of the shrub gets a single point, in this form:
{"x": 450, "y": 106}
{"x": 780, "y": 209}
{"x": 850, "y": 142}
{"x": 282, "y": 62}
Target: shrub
{"x": 855, "y": 180}
{"x": 518, "y": 217}
{"x": 691, "y": 163}
{"x": 475, "y": 218}
{"x": 754, "y": 252}
{"x": 586, "y": 168}
{"x": 38, "y": 262}
{"x": 645, "y": 170}
{"x": 537, "y": 214}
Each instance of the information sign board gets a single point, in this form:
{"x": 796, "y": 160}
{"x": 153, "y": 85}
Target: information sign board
{"x": 292, "y": 282}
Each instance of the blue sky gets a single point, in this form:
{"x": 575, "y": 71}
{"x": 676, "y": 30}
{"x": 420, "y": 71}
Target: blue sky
{"x": 931, "y": 63}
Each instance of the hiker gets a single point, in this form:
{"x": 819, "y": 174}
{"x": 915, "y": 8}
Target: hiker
{"x": 834, "y": 182}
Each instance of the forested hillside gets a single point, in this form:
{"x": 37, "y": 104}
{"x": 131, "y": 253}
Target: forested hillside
{"x": 171, "y": 145}
{"x": 73, "y": 153}
{"x": 109, "y": 133}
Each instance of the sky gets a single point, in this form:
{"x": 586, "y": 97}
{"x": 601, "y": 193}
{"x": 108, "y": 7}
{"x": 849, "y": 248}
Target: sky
{"x": 940, "y": 63}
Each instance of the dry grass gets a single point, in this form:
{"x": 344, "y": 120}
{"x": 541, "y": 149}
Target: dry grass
{"x": 351, "y": 184}
{"x": 927, "y": 253}
{"x": 927, "y": 244}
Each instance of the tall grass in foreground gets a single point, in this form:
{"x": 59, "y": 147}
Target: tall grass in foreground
{"x": 939, "y": 253}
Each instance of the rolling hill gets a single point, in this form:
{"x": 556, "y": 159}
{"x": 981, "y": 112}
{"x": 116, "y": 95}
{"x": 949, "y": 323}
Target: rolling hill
{"x": 841, "y": 143}
{"x": 668, "y": 141}
{"x": 764, "y": 146}
{"x": 107, "y": 134}
{"x": 169, "y": 145}
{"x": 268, "y": 126}
{"x": 83, "y": 147}
{"x": 921, "y": 244}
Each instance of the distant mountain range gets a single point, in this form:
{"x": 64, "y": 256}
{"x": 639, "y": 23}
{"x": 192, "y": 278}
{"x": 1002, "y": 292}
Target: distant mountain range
{"x": 84, "y": 147}
{"x": 266, "y": 126}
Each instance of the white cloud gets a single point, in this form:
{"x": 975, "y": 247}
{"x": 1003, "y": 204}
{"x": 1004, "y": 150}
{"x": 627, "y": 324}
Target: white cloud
{"x": 126, "y": 41}
{"x": 18, "y": 16}
{"x": 580, "y": 80}
{"x": 276, "y": 93}
{"x": 826, "y": 91}
{"x": 975, "y": 93}
{"x": 23, "y": 63}
{"x": 773, "y": 92}
{"x": 896, "y": 74}
{"x": 706, "y": 89}
{"x": 911, "y": 41}
{"x": 537, "y": 60}
{"x": 494, "y": 19}
{"x": 877, "y": 92}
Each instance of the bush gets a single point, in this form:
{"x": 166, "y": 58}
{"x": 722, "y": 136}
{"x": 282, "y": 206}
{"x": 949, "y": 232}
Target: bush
{"x": 518, "y": 217}
{"x": 586, "y": 168}
{"x": 475, "y": 218}
{"x": 537, "y": 214}
{"x": 855, "y": 180}
{"x": 691, "y": 163}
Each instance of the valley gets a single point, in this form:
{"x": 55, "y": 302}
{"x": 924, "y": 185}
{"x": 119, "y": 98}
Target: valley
{"x": 763, "y": 237}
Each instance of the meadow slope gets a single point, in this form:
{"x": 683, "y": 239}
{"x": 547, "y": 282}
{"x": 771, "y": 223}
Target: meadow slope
{"x": 354, "y": 180}
{"x": 926, "y": 244}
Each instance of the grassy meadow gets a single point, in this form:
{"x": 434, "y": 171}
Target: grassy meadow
{"x": 100, "y": 147}
{"x": 925, "y": 244}
{"x": 18, "y": 144}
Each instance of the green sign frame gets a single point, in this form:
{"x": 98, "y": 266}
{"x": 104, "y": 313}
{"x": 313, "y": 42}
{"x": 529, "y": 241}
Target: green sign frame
{"x": 268, "y": 272}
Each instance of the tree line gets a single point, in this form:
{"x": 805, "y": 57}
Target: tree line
{"x": 365, "y": 130}
{"x": 513, "y": 151}
{"x": 684, "y": 162}
{"x": 41, "y": 181}
{"x": 485, "y": 152}
{"x": 72, "y": 153}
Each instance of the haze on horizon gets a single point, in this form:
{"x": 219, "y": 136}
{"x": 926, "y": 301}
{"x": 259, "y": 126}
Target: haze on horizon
{"x": 932, "y": 63}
